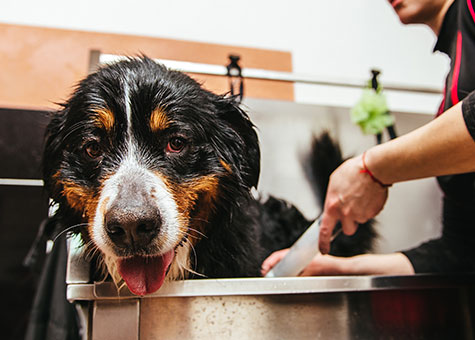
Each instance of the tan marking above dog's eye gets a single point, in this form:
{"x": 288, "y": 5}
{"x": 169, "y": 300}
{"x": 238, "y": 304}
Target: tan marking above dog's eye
{"x": 159, "y": 120}
{"x": 104, "y": 118}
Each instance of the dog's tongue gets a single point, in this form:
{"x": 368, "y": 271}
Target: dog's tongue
{"x": 145, "y": 275}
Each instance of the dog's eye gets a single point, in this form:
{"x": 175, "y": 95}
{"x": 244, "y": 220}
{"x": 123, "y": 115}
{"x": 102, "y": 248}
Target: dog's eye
{"x": 176, "y": 144}
{"x": 93, "y": 150}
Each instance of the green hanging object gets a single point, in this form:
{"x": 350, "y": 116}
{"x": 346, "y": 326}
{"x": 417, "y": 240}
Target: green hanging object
{"x": 371, "y": 112}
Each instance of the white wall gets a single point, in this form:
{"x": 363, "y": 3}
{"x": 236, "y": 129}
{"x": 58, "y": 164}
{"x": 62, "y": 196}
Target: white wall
{"x": 413, "y": 210}
{"x": 338, "y": 38}
{"x": 332, "y": 38}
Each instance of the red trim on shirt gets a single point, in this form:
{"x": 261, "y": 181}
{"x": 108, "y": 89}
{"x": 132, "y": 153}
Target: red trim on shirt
{"x": 470, "y": 7}
{"x": 442, "y": 105}
{"x": 455, "y": 79}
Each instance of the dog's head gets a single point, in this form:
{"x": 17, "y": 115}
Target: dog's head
{"x": 142, "y": 154}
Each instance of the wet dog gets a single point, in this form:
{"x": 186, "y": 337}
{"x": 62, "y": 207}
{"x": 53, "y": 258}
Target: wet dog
{"x": 156, "y": 174}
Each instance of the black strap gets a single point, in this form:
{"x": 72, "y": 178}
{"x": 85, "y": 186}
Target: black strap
{"x": 234, "y": 73}
{"x": 391, "y": 129}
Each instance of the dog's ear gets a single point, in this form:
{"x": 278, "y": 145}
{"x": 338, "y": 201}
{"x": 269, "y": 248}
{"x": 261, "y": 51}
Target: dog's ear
{"x": 241, "y": 138}
{"x": 52, "y": 153}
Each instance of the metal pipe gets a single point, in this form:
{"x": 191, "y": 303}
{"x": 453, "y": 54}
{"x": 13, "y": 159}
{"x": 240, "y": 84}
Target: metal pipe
{"x": 252, "y": 73}
{"x": 22, "y": 182}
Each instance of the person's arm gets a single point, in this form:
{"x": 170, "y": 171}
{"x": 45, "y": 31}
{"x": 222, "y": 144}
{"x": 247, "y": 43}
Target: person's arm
{"x": 368, "y": 264}
{"x": 442, "y": 147}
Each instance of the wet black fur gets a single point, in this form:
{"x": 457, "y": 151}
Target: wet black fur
{"x": 324, "y": 157}
{"x": 242, "y": 231}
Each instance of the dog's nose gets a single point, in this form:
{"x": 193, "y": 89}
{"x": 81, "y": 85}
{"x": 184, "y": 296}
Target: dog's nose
{"x": 132, "y": 229}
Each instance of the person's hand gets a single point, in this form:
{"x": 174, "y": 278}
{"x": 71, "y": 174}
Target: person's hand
{"x": 320, "y": 265}
{"x": 272, "y": 260}
{"x": 352, "y": 197}
{"x": 365, "y": 264}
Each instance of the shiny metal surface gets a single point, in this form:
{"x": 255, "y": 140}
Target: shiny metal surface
{"x": 21, "y": 182}
{"x": 359, "y": 315}
{"x": 272, "y": 286}
{"x": 360, "y": 307}
{"x": 343, "y": 307}
{"x": 77, "y": 268}
{"x": 245, "y": 317}
{"x": 115, "y": 320}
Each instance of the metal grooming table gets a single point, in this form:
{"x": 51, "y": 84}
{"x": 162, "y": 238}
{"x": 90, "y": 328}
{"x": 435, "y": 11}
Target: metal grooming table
{"x": 358, "y": 307}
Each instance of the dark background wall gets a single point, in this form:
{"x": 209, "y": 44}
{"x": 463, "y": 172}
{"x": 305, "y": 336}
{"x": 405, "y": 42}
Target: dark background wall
{"x": 22, "y": 208}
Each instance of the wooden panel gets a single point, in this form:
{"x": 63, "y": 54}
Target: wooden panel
{"x": 40, "y": 66}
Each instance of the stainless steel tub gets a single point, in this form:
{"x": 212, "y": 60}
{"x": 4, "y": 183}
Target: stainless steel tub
{"x": 358, "y": 307}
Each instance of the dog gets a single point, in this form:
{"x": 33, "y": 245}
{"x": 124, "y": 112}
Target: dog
{"x": 156, "y": 173}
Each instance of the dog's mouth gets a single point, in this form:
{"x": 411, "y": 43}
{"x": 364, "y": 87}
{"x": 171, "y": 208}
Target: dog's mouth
{"x": 145, "y": 274}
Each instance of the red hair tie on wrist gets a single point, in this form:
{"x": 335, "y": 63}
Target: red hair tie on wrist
{"x": 365, "y": 170}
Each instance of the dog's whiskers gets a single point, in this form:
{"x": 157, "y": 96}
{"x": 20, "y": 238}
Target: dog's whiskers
{"x": 199, "y": 219}
{"x": 79, "y": 225}
{"x": 190, "y": 270}
{"x": 196, "y": 231}
{"x": 91, "y": 250}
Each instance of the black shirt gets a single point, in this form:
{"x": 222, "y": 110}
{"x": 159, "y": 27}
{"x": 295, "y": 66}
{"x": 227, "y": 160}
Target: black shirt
{"x": 454, "y": 251}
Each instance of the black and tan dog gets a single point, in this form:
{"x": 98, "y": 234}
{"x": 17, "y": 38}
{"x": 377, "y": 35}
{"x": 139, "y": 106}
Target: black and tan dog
{"x": 156, "y": 173}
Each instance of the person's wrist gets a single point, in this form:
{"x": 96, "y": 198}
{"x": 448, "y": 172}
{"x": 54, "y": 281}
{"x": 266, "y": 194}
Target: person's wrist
{"x": 370, "y": 167}
{"x": 354, "y": 265}
{"x": 341, "y": 265}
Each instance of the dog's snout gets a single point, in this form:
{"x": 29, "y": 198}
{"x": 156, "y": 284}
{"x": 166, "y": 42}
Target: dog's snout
{"x": 132, "y": 229}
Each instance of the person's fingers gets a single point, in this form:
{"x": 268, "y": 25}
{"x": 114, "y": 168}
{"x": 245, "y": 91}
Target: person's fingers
{"x": 308, "y": 271}
{"x": 326, "y": 229}
{"x": 272, "y": 260}
{"x": 348, "y": 225}
{"x": 313, "y": 268}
